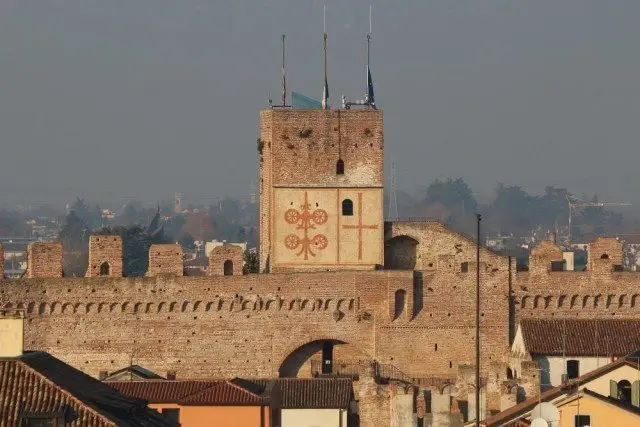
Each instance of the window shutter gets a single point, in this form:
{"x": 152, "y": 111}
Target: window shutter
{"x": 613, "y": 389}
{"x": 635, "y": 393}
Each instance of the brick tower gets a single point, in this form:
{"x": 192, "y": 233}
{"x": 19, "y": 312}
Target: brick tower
{"x": 321, "y": 185}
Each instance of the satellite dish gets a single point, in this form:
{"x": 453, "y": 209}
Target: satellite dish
{"x": 547, "y": 412}
{"x": 539, "y": 422}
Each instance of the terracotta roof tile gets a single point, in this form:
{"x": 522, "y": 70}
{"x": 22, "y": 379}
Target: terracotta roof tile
{"x": 615, "y": 337}
{"x": 223, "y": 393}
{"x": 39, "y": 383}
{"x": 161, "y": 391}
{"x": 311, "y": 393}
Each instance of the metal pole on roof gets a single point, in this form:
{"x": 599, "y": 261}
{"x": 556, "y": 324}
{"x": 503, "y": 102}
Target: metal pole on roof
{"x": 479, "y": 218}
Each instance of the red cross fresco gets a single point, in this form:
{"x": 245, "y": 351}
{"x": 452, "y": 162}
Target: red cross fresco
{"x": 360, "y": 227}
{"x": 306, "y": 220}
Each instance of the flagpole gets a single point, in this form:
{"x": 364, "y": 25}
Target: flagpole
{"x": 325, "y": 92}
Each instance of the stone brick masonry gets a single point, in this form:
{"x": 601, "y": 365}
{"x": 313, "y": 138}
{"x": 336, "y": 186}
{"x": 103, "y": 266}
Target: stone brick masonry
{"x": 165, "y": 259}
{"x": 105, "y": 256}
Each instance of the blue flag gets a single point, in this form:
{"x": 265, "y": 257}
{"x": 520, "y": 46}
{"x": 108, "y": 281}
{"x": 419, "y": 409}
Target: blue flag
{"x": 370, "y": 97}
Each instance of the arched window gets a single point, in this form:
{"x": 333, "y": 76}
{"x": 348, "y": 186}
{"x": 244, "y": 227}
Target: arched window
{"x": 228, "y": 268}
{"x": 509, "y": 374}
{"x": 104, "y": 269}
{"x": 604, "y": 256}
{"x": 340, "y": 167}
{"x": 347, "y": 207}
{"x": 399, "y": 303}
{"x": 624, "y": 391}
{"x": 573, "y": 369}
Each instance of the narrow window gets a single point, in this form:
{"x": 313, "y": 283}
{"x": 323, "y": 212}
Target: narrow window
{"x": 624, "y": 391}
{"x": 228, "y": 268}
{"x": 340, "y": 167}
{"x": 436, "y": 347}
{"x": 573, "y": 369}
{"x": 464, "y": 267}
{"x": 604, "y": 256}
{"x": 104, "y": 269}
{"x": 347, "y": 207}
{"x": 399, "y": 303}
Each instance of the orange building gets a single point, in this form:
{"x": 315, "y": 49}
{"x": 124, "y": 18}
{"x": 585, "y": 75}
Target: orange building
{"x": 208, "y": 403}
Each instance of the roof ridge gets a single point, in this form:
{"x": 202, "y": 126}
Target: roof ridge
{"x": 243, "y": 389}
{"x": 63, "y": 390}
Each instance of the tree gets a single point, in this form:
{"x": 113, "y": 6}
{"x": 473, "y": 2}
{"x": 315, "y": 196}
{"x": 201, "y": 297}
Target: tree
{"x": 456, "y": 196}
{"x": 251, "y": 261}
{"x": 74, "y": 237}
{"x": 187, "y": 241}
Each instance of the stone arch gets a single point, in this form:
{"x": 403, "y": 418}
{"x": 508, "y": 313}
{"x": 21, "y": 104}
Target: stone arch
{"x": 56, "y": 308}
{"x": 186, "y": 306}
{"x": 149, "y": 308}
{"x": 125, "y": 307}
{"x": 30, "y": 307}
{"x": 536, "y": 301}
{"x": 622, "y": 300}
{"x": 347, "y": 207}
{"x": 297, "y": 357}
{"x": 400, "y": 300}
{"x": 596, "y": 301}
{"x": 586, "y": 300}
{"x": 401, "y": 253}
{"x": 44, "y": 308}
{"x": 604, "y": 256}
{"x": 173, "y": 306}
{"x": 610, "y": 298}
{"x": 20, "y": 306}
{"x": 270, "y": 304}
{"x": 548, "y": 301}
{"x": 574, "y": 301}
{"x": 113, "y": 307}
{"x": 105, "y": 269}
{"x": 525, "y": 301}
{"x": 103, "y": 307}
{"x": 303, "y": 304}
{"x": 227, "y": 268}
{"x": 196, "y": 305}
{"x": 137, "y": 307}
{"x": 634, "y": 300}
{"x": 161, "y": 306}
{"x": 561, "y": 299}
{"x": 327, "y": 303}
{"x": 210, "y": 305}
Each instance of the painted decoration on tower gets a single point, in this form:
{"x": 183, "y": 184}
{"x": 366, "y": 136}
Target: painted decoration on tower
{"x": 307, "y": 243}
{"x": 310, "y": 227}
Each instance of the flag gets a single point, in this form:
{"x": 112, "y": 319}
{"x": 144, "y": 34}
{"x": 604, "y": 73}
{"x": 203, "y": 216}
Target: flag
{"x": 325, "y": 95}
{"x": 370, "y": 98}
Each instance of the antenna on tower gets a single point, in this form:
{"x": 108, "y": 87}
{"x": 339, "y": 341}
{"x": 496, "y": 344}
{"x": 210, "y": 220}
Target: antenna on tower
{"x": 369, "y": 99}
{"x": 284, "y": 78}
{"x": 393, "y": 201}
{"x": 325, "y": 91}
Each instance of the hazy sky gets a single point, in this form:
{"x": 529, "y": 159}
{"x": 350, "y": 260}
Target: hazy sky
{"x": 125, "y": 99}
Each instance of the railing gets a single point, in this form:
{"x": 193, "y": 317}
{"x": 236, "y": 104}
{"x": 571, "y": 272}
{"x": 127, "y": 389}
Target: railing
{"x": 382, "y": 372}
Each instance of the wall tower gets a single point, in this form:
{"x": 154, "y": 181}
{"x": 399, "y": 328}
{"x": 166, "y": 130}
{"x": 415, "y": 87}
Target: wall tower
{"x": 321, "y": 184}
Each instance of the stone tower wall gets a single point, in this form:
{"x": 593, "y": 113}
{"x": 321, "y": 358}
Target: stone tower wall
{"x": 44, "y": 259}
{"x": 300, "y": 149}
{"x": 105, "y": 249}
{"x": 165, "y": 259}
{"x": 222, "y": 254}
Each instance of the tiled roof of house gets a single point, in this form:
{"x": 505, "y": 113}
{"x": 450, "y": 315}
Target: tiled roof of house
{"x": 134, "y": 372}
{"x": 189, "y": 392}
{"x": 510, "y": 415}
{"x": 302, "y": 393}
{"x": 161, "y": 391}
{"x": 223, "y": 393}
{"x": 581, "y": 337}
{"x": 38, "y": 383}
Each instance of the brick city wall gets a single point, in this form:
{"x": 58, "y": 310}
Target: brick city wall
{"x": 165, "y": 259}
{"x": 1, "y": 263}
{"x": 220, "y": 255}
{"x": 105, "y": 249}
{"x": 44, "y": 260}
{"x": 247, "y": 325}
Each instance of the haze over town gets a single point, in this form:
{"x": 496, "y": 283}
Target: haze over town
{"x": 120, "y": 101}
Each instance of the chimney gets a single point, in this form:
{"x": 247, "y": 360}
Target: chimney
{"x": 11, "y": 333}
{"x": 552, "y": 237}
